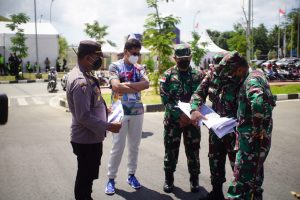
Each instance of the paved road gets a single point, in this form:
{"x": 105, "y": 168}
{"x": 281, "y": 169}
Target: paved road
{"x": 36, "y": 160}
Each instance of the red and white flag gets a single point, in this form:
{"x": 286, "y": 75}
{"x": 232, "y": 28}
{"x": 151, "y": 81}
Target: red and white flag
{"x": 281, "y": 12}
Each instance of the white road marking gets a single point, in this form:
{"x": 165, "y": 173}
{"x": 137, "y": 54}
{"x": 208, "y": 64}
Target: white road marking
{"x": 37, "y": 100}
{"x": 22, "y": 101}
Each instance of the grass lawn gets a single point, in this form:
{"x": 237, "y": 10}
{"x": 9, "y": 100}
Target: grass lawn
{"x": 285, "y": 89}
{"x": 148, "y": 97}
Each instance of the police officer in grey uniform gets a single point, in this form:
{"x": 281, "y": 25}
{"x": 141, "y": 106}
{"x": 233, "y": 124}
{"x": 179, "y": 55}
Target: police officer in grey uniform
{"x": 89, "y": 117}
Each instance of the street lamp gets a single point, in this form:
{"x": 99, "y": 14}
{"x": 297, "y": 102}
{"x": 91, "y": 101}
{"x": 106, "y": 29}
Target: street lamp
{"x": 198, "y": 11}
{"x": 50, "y": 10}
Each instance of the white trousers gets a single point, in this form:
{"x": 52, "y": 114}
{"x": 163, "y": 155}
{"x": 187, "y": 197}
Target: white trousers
{"x": 132, "y": 128}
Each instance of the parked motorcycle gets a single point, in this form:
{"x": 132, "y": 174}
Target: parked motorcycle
{"x": 63, "y": 82}
{"x": 102, "y": 79}
{"x": 52, "y": 77}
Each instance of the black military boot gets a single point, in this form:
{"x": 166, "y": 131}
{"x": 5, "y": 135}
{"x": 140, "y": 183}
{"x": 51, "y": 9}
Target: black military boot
{"x": 194, "y": 183}
{"x": 169, "y": 181}
{"x": 215, "y": 194}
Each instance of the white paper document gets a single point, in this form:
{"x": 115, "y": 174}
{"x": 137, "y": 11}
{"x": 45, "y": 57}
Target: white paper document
{"x": 220, "y": 125}
{"x": 117, "y": 112}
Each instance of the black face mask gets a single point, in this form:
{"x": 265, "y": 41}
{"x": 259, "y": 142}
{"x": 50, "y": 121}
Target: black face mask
{"x": 183, "y": 64}
{"x": 233, "y": 79}
{"x": 97, "y": 63}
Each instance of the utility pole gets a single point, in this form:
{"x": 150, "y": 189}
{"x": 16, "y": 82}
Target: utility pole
{"x": 252, "y": 32}
{"x": 50, "y": 11}
{"x": 291, "y": 52}
{"x": 36, "y": 39}
{"x": 194, "y": 19}
{"x": 298, "y": 34}
{"x": 248, "y": 32}
{"x": 278, "y": 47}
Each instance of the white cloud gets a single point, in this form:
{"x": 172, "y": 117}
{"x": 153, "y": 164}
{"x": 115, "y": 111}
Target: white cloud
{"x": 127, "y": 16}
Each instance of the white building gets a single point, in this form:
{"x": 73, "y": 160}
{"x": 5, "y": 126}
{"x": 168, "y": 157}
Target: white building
{"x": 47, "y": 37}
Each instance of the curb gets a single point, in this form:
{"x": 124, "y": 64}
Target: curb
{"x": 161, "y": 108}
{"x": 25, "y": 81}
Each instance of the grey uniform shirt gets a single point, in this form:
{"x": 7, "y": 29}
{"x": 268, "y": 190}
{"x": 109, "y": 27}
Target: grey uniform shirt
{"x": 89, "y": 120}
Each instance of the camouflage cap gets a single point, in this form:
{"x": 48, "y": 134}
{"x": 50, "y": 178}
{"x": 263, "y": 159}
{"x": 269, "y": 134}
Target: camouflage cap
{"x": 182, "y": 50}
{"x": 230, "y": 62}
{"x": 217, "y": 58}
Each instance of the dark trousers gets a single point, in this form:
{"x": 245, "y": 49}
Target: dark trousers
{"x": 88, "y": 162}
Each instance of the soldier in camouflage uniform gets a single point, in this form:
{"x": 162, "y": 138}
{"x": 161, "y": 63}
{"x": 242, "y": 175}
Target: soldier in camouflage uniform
{"x": 178, "y": 84}
{"x": 255, "y": 106}
{"x": 222, "y": 94}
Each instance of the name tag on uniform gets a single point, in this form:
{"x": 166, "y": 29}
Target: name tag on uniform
{"x": 132, "y": 97}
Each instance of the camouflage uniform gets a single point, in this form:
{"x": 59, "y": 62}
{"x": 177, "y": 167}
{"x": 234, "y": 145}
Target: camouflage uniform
{"x": 223, "y": 98}
{"x": 255, "y": 105}
{"x": 175, "y": 86}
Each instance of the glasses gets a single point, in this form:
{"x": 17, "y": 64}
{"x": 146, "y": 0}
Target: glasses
{"x": 134, "y": 53}
{"x": 182, "y": 52}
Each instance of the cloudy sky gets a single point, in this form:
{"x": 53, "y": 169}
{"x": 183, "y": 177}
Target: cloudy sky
{"x": 127, "y": 16}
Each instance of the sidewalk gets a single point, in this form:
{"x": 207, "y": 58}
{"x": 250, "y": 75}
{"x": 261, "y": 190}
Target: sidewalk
{"x": 25, "y": 81}
{"x": 160, "y": 107}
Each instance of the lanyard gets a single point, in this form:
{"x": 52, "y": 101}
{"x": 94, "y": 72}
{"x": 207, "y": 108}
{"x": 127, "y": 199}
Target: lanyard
{"x": 124, "y": 66}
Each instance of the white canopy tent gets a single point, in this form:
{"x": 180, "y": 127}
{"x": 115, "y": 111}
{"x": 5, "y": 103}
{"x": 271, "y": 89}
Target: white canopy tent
{"x": 107, "y": 48}
{"x": 142, "y": 51}
{"x": 47, "y": 37}
{"x": 211, "y": 48}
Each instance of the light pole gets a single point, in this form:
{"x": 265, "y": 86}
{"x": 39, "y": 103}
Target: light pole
{"x": 198, "y": 11}
{"x": 50, "y": 11}
{"x": 36, "y": 39}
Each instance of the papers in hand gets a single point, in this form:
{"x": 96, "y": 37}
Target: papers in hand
{"x": 117, "y": 112}
{"x": 220, "y": 125}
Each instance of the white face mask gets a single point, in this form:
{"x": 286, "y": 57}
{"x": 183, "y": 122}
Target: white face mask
{"x": 133, "y": 59}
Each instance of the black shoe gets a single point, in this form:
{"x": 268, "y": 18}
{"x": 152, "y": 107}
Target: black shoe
{"x": 169, "y": 181}
{"x": 194, "y": 183}
{"x": 168, "y": 187}
{"x": 213, "y": 196}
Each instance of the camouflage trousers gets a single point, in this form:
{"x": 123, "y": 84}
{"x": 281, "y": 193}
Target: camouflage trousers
{"x": 249, "y": 170}
{"x": 191, "y": 139}
{"x": 218, "y": 149}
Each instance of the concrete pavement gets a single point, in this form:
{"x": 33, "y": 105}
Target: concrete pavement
{"x": 36, "y": 159}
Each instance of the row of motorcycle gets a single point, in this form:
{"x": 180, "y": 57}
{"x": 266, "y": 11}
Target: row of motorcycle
{"x": 52, "y": 80}
{"x": 288, "y": 72}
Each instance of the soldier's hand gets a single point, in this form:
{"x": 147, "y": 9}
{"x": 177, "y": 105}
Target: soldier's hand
{"x": 109, "y": 109}
{"x": 184, "y": 120}
{"x": 196, "y": 116}
{"x": 114, "y": 127}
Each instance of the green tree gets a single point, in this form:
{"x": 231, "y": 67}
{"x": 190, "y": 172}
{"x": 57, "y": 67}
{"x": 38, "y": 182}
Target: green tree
{"x": 63, "y": 47}
{"x": 273, "y": 38}
{"x": 159, "y": 36}
{"x": 150, "y": 64}
{"x": 4, "y": 19}
{"x": 257, "y": 54}
{"x": 291, "y": 29}
{"x": 260, "y": 39}
{"x": 98, "y": 32}
{"x": 272, "y": 54}
{"x": 197, "y": 52}
{"x": 18, "y": 41}
{"x": 238, "y": 40}
{"x": 220, "y": 38}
